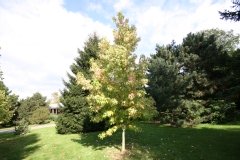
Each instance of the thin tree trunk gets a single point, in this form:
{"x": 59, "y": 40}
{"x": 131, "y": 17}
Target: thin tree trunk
{"x": 123, "y": 140}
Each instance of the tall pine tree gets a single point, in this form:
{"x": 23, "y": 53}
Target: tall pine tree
{"x": 74, "y": 117}
{"x": 197, "y": 80}
{"x": 215, "y": 81}
{"x": 168, "y": 83}
{"x": 232, "y": 14}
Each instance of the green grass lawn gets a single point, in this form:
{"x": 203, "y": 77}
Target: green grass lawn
{"x": 205, "y": 142}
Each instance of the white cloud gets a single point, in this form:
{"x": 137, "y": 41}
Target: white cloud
{"x": 95, "y": 7}
{"x": 39, "y": 41}
{"x": 122, "y": 4}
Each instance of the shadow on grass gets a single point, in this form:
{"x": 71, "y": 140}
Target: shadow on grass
{"x": 158, "y": 142}
{"x": 91, "y": 139}
{"x": 14, "y": 147}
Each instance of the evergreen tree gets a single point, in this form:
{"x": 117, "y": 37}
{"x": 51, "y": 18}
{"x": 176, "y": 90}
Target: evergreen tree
{"x": 168, "y": 83}
{"x": 232, "y": 15}
{"x": 74, "y": 117}
{"x": 233, "y": 91}
{"x": 15, "y": 104}
{"x": 197, "y": 80}
{"x": 212, "y": 70}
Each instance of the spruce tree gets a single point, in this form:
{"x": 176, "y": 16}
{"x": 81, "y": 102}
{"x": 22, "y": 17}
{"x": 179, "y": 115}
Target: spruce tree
{"x": 74, "y": 117}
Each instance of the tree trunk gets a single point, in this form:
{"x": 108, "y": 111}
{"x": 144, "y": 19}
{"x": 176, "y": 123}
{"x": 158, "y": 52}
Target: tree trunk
{"x": 123, "y": 140}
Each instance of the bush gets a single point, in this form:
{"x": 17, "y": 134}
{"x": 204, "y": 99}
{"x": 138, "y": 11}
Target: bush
{"x": 40, "y": 116}
{"x": 186, "y": 114}
{"x": 189, "y": 113}
{"x": 21, "y": 127}
{"x": 30, "y": 109}
{"x": 220, "y": 111}
{"x": 89, "y": 126}
{"x": 68, "y": 123}
{"x": 53, "y": 117}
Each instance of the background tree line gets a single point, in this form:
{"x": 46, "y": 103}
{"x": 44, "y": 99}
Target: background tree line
{"x": 192, "y": 82}
{"x": 34, "y": 109}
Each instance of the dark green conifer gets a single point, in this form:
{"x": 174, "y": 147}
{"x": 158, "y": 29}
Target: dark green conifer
{"x": 74, "y": 117}
{"x": 197, "y": 80}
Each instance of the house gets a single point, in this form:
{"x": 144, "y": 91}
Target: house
{"x": 54, "y": 103}
{"x": 54, "y": 108}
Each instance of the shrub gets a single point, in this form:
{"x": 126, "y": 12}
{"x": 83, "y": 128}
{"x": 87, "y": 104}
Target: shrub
{"x": 186, "y": 114}
{"x": 66, "y": 124}
{"x": 220, "y": 111}
{"x": 29, "y": 106}
{"x": 21, "y": 127}
{"x": 39, "y": 116}
{"x": 53, "y": 117}
{"x": 89, "y": 126}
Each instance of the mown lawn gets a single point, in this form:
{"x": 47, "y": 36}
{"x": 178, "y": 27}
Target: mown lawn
{"x": 205, "y": 142}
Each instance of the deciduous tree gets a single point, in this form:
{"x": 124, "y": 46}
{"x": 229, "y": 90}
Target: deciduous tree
{"x": 5, "y": 113}
{"x": 117, "y": 83}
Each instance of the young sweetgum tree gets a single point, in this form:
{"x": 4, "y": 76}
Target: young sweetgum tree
{"x": 116, "y": 87}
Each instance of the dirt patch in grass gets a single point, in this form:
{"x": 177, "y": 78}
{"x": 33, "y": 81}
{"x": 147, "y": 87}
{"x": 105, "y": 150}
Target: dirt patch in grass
{"x": 116, "y": 154}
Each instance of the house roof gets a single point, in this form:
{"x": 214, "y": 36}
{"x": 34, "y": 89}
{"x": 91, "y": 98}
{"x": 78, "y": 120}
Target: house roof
{"x": 54, "y": 105}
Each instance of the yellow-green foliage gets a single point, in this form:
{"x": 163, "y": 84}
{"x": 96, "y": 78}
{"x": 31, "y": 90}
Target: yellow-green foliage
{"x": 117, "y": 82}
{"x": 5, "y": 113}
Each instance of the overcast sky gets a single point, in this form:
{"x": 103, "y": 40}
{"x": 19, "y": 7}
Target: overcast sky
{"x": 39, "y": 38}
